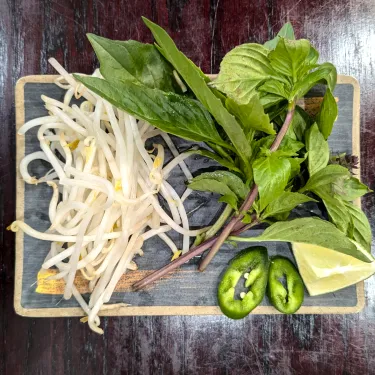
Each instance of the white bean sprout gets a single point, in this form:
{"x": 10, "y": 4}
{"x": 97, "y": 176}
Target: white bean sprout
{"x": 104, "y": 184}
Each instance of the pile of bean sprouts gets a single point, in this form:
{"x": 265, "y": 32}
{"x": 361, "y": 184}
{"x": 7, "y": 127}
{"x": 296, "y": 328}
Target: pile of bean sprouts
{"x": 104, "y": 185}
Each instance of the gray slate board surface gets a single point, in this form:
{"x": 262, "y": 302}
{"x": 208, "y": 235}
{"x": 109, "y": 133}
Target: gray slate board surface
{"x": 184, "y": 288}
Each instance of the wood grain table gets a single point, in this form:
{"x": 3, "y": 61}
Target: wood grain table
{"x": 33, "y": 30}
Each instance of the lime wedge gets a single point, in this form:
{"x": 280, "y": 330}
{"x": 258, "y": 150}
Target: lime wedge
{"x": 325, "y": 270}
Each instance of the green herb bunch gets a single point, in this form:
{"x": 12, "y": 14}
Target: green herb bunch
{"x": 274, "y": 155}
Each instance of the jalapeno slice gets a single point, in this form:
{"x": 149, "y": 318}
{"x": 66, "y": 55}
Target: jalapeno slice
{"x": 254, "y": 262}
{"x": 287, "y": 300}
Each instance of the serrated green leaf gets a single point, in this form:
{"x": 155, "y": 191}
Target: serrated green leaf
{"x": 310, "y": 230}
{"x": 285, "y": 32}
{"x": 250, "y": 115}
{"x": 242, "y": 70}
{"x": 195, "y": 79}
{"x": 271, "y": 174}
{"x": 122, "y": 61}
{"x": 286, "y": 202}
{"x": 327, "y": 114}
{"x": 233, "y": 182}
{"x": 361, "y": 226}
{"x": 289, "y": 57}
{"x": 172, "y": 113}
{"x": 325, "y": 176}
{"x": 317, "y": 149}
{"x": 325, "y": 72}
{"x": 350, "y": 189}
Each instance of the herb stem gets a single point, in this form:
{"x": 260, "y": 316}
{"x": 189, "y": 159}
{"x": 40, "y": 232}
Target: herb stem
{"x": 183, "y": 259}
{"x": 215, "y": 227}
{"x": 250, "y": 198}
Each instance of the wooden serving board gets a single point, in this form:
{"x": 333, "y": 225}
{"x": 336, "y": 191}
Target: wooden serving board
{"x": 186, "y": 291}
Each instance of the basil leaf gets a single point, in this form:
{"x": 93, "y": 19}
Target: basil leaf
{"x": 336, "y": 209}
{"x": 361, "y": 226}
{"x": 285, "y": 203}
{"x": 172, "y": 113}
{"x": 317, "y": 150}
{"x": 121, "y": 61}
{"x": 301, "y": 121}
{"x": 310, "y": 230}
{"x": 350, "y": 189}
{"x": 285, "y": 32}
{"x": 295, "y": 166}
{"x": 211, "y": 185}
{"x": 312, "y": 57}
{"x": 325, "y": 72}
{"x": 233, "y": 182}
{"x": 195, "y": 79}
{"x": 289, "y": 57}
{"x": 274, "y": 87}
{"x": 327, "y": 114}
{"x": 290, "y": 144}
{"x": 269, "y": 100}
{"x": 242, "y": 70}
{"x": 231, "y": 200}
{"x": 250, "y": 115}
{"x": 325, "y": 176}
{"x": 271, "y": 174}
{"x": 224, "y": 162}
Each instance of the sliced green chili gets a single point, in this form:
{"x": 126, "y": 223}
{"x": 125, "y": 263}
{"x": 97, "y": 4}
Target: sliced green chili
{"x": 254, "y": 263}
{"x": 287, "y": 300}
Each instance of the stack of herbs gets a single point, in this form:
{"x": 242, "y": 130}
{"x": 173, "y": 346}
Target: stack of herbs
{"x": 274, "y": 156}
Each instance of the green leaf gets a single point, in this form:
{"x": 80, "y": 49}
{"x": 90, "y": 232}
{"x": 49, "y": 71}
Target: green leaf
{"x": 172, "y": 113}
{"x": 301, "y": 121}
{"x": 231, "y": 200}
{"x": 289, "y": 57}
{"x": 285, "y": 32}
{"x": 350, "y": 189}
{"x": 211, "y": 185}
{"x": 310, "y": 230}
{"x": 317, "y": 149}
{"x": 242, "y": 70}
{"x": 122, "y": 61}
{"x": 361, "y": 226}
{"x": 327, "y": 114}
{"x": 269, "y": 100}
{"x": 192, "y": 75}
{"x": 250, "y": 115}
{"x": 325, "y": 176}
{"x": 274, "y": 87}
{"x": 336, "y": 209}
{"x": 295, "y": 166}
{"x": 271, "y": 174}
{"x": 224, "y": 162}
{"x": 325, "y": 72}
{"x": 233, "y": 182}
{"x": 312, "y": 57}
{"x": 285, "y": 203}
{"x": 290, "y": 144}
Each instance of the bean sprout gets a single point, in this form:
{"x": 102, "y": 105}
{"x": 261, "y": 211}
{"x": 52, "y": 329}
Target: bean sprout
{"x": 105, "y": 183}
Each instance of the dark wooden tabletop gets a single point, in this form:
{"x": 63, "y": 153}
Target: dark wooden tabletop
{"x": 33, "y": 30}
